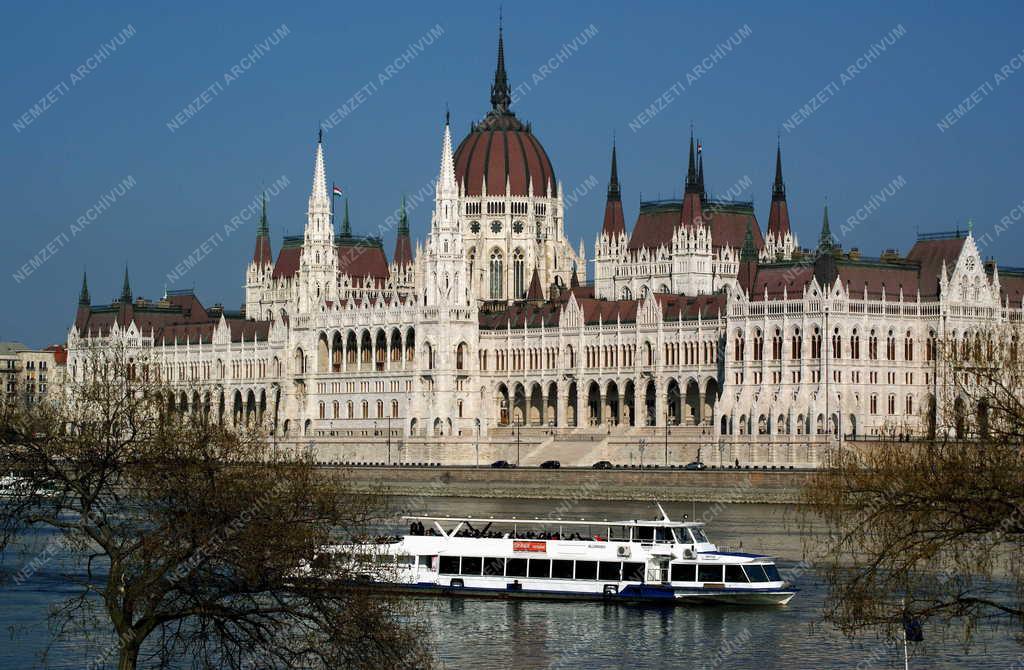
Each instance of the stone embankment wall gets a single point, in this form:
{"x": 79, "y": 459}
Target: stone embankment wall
{"x": 727, "y": 486}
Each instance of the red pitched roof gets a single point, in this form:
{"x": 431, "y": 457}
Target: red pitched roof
{"x": 931, "y": 253}
{"x": 657, "y": 222}
{"x": 287, "y": 261}
{"x": 403, "y": 250}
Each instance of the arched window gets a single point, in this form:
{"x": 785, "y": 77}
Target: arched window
{"x": 758, "y": 345}
{"x": 837, "y": 344}
{"x": 350, "y": 413}
{"x": 890, "y": 348}
{"x": 873, "y": 345}
{"x": 777, "y": 345}
{"x": 518, "y": 271}
{"x": 497, "y": 275}
{"x": 908, "y": 348}
{"x": 394, "y": 409}
{"x": 816, "y": 343}
{"x": 854, "y": 345}
{"x": 380, "y": 409}
{"x": 366, "y": 409}
{"x": 739, "y": 347}
{"x": 335, "y": 413}
{"x": 321, "y": 410}
{"x": 797, "y": 344}
{"x": 626, "y": 293}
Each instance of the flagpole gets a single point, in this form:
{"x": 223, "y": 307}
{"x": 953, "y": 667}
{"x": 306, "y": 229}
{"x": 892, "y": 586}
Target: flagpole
{"x": 906, "y": 654}
{"x": 334, "y": 194}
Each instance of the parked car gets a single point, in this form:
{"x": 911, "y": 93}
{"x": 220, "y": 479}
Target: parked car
{"x": 551, "y": 465}
{"x": 501, "y": 464}
{"x": 695, "y": 465}
{"x": 603, "y": 465}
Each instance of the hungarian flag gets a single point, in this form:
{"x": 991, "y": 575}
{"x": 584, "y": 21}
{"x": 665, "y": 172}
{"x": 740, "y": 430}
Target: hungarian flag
{"x": 699, "y": 147}
{"x": 337, "y": 190}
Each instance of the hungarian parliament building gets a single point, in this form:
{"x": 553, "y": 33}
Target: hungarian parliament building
{"x": 693, "y": 317}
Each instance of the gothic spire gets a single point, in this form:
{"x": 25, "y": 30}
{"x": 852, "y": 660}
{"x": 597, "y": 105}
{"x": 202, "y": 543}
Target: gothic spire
{"x": 83, "y": 297}
{"x": 748, "y": 253}
{"x": 403, "y": 246}
{"x": 700, "y": 170}
{"x": 779, "y": 187}
{"x": 264, "y": 228}
{"x": 446, "y": 184}
{"x": 318, "y": 193}
{"x": 126, "y": 289}
{"x": 346, "y": 227}
{"x": 825, "y": 241}
{"x": 535, "y": 292}
{"x": 691, "y": 170}
{"x": 403, "y": 220}
{"x": 613, "y": 182}
{"x": 501, "y": 94}
{"x": 614, "y": 221}
{"x": 262, "y": 254}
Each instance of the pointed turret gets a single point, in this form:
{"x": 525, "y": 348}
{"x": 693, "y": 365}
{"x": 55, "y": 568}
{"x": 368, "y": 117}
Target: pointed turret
{"x": 262, "y": 255}
{"x": 403, "y": 245}
{"x": 700, "y": 171}
{"x": 535, "y": 292}
{"x": 692, "y": 198}
{"x": 83, "y": 297}
{"x": 346, "y": 225}
{"x": 748, "y": 261}
{"x": 574, "y": 280}
{"x": 614, "y": 221}
{"x": 318, "y": 201}
{"x": 126, "y": 289}
{"x": 501, "y": 93}
{"x": 825, "y": 240}
{"x": 446, "y": 184}
{"x": 778, "y": 216}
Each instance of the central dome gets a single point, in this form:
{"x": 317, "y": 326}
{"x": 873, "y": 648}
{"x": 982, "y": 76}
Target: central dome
{"x": 502, "y": 148}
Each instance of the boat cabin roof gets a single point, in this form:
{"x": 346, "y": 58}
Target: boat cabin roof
{"x": 659, "y": 523}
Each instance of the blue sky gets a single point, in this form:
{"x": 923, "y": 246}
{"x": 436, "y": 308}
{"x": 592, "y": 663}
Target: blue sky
{"x": 111, "y": 124}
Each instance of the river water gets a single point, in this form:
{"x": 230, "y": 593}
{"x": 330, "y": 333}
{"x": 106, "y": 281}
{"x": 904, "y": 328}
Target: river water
{"x": 487, "y": 634}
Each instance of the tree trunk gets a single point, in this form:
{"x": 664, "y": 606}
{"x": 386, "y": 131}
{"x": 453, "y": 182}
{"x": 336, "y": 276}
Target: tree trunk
{"x": 128, "y": 658}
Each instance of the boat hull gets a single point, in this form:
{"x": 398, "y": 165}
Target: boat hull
{"x": 631, "y": 594}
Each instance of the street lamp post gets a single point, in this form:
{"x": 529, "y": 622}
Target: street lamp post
{"x": 642, "y": 447}
{"x": 477, "y": 444}
{"x": 518, "y": 431}
{"x": 389, "y": 439}
{"x": 666, "y": 436}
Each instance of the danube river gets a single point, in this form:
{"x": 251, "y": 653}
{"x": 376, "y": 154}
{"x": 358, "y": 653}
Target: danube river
{"x": 526, "y": 635}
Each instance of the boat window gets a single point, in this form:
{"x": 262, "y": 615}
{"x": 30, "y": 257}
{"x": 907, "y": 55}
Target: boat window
{"x": 709, "y": 573}
{"x": 618, "y": 533}
{"x": 449, "y": 565}
{"x": 540, "y": 567}
{"x": 425, "y": 561}
{"x": 643, "y": 534}
{"x": 561, "y": 569}
{"x": 494, "y": 566}
{"x": 663, "y": 535}
{"x": 756, "y": 573}
{"x": 772, "y": 572}
{"x": 734, "y": 573}
{"x": 586, "y": 569}
{"x": 684, "y": 572}
{"x": 515, "y": 567}
{"x": 471, "y": 565}
{"x": 609, "y": 571}
{"x": 698, "y": 535}
{"x": 406, "y": 560}
{"x": 632, "y": 572}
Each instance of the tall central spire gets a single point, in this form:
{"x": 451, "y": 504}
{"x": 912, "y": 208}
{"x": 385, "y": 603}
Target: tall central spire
{"x": 501, "y": 94}
{"x": 692, "y": 181}
{"x": 446, "y": 184}
{"x": 318, "y": 193}
{"x": 126, "y": 289}
{"x": 613, "y": 183}
{"x": 83, "y": 297}
{"x": 779, "y": 187}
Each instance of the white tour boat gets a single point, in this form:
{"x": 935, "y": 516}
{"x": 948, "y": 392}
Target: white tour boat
{"x": 624, "y": 561}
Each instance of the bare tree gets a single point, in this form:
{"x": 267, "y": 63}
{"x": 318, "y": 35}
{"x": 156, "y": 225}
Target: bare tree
{"x": 934, "y": 528}
{"x": 190, "y": 535}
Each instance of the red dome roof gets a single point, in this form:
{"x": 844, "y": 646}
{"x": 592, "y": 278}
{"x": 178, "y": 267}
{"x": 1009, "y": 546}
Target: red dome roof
{"x": 499, "y": 148}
